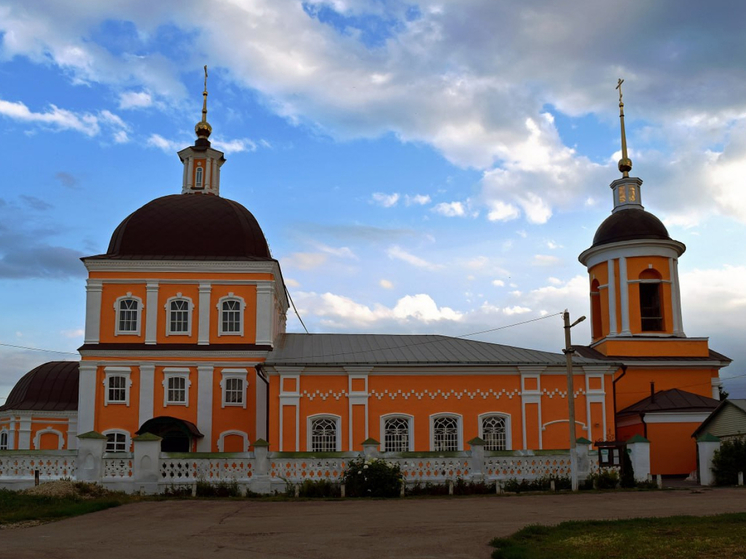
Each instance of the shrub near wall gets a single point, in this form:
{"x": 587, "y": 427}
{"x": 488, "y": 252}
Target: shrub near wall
{"x": 728, "y": 461}
{"x": 372, "y": 478}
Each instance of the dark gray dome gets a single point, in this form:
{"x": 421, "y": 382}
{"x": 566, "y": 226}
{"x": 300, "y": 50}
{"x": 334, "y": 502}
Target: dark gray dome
{"x": 628, "y": 225}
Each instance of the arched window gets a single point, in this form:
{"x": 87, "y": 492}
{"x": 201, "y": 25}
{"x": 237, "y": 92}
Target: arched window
{"x": 396, "y": 434}
{"x": 651, "y": 310}
{"x": 129, "y": 310}
{"x": 179, "y": 316}
{"x": 198, "y": 177}
{"x": 446, "y": 433}
{"x": 494, "y": 432}
{"x": 596, "y": 324}
{"x": 324, "y": 434}
{"x": 3, "y": 440}
{"x": 117, "y": 440}
{"x": 231, "y": 316}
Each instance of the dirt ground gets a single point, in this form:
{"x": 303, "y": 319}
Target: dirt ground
{"x": 412, "y": 528}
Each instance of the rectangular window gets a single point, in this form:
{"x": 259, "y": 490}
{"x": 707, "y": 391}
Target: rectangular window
{"x": 234, "y": 391}
{"x": 128, "y": 315}
{"x": 650, "y": 307}
{"x": 116, "y": 442}
{"x": 231, "y": 319}
{"x": 176, "y": 390}
{"x": 179, "y": 317}
{"x": 117, "y": 389}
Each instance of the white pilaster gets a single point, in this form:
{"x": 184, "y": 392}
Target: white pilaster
{"x": 147, "y": 387}
{"x": 72, "y": 433}
{"x": 12, "y": 434}
{"x": 24, "y": 433}
{"x": 612, "y": 299}
{"x": 93, "y": 288}
{"x": 208, "y": 172}
{"x": 184, "y": 179}
{"x": 531, "y": 396}
{"x": 86, "y": 396}
{"x": 624, "y": 295}
{"x": 203, "y": 335}
{"x": 204, "y": 407}
{"x": 261, "y": 406}
{"x": 190, "y": 173}
{"x": 357, "y": 398}
{"x": 264, "y": 314}
{"x": 673, "y": 269}
{"x": 151, "y": 313}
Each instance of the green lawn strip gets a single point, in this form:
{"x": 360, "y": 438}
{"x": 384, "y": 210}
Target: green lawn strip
{"x": 17, "y": 507}
{"x": 678, "y": 537}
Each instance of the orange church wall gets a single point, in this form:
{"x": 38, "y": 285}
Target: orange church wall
{"x": 167, "y": 291}
{"x": 654, "y": 348}
{"x": 48, "y": 441}
{"x": 358, "y": 426}
{"x": 600, "y": 273}
{"x": 109, "y": 295}
{"x": 187, "y": 413}
{"x": 672, "y": 448}
{"x": 231, "y": 418}
{"x": 628, "y": 431}
{"x": 117, "y": 416}
{"x": 248, "y": 294}
{"x": 636, "y": 383}
{"x": 330, "y": 386}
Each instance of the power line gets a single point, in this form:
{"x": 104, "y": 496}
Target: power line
{"x": 296, "y": 310}
{"x": 38, "y": 349}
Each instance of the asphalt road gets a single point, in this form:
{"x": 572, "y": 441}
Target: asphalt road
{"x": 441, "y": 528}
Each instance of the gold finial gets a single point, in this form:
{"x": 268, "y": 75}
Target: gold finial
{"x": 625, "y": 163}
{"x": 203, "y": 128}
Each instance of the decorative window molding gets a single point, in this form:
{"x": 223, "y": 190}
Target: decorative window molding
{"x": 495, "y": 430}
{"x": 179, "y": 315}
{"x": 397, "y": 432}
{"x": 231, "y": 315}
{"x": 117, "y": 383}
{"x": 233, "y": 385}
{"x": 128, "y": 309}
{"x": 446, "y": 432}
{"x": 4, "y": 439}
{"x": 221, "y": 439}
{"x": 323, "y": 433}
{"x": 198, "y": 175}
{"x": 176, "y": 385}
{"x": 117, "y": 440}
{"x": 48, "y": 429}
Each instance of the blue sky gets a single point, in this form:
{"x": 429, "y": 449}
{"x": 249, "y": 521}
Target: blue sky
{"x": 416, "y": 166}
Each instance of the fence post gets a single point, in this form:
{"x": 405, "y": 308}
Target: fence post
{"x": 707, "y": 444}
{"x": 639, "y": 454}
{"x": 476, "y": 459}
{"x": 90, "y": 463}
{"x": 582, "y": 447}
{"x": 261, "y": 482}
{"x": 370, "y": 449}
{"x": 146, "y": 469}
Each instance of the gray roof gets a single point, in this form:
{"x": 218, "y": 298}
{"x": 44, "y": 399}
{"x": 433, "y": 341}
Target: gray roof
{"x": 387, "y": 349}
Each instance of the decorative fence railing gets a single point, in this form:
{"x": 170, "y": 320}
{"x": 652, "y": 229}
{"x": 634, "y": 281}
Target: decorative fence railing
{"x": 148, "y": 470}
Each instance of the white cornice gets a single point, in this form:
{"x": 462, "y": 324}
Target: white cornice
{"x": 667, "y": 248}
{"x": 200, "y": 266}
{"x": 140, "y": 355}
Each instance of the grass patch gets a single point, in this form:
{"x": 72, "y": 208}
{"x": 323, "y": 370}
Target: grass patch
{"x": 679, "y": 537}
{"x": 18, "y": 507}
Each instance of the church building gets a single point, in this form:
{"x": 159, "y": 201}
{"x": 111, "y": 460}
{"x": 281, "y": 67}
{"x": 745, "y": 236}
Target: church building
{"x": 185, "y": 338}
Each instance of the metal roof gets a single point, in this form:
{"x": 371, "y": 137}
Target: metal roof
{"x": 389, "y": 349}
{"x": 673, "y": 400}
{"x": 52, "y": 386}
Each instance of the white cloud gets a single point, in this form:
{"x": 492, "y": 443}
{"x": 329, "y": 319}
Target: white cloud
{"x": 304, "y": 260}
{"x": 290, "y": 282}
{"x": 135, "y": 100}
{"x": 73, "y": 333}
{"x": 340, "y": 252}
{"x": 399, "y": 253}
{"x": 234, "y": 146}
{"x": 516, "y": 310}
{"x": 169, "y": 146}
{"x": 500, "y": 211}
{"x": 545, "y": 260}
{"x": 552, "y": 245}
{"x": 498, "y": 283}
{"x": 386, "y": 284}
{"x": 450, "y": 209}
{"x": 416, "y": 200}
{"x": 385, "y": 200}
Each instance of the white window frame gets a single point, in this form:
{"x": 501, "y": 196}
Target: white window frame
{"x": 110, "y": 372}
{"x": 241, "y": 307}
{"x": 309, "y": 424}
{"x": 459, "y": 427}
{"x": 240, "y": 374}
{"x": 4, "y": 433}
{"x": 174, "y": 373}
{"x": 221, "y": 439}
{"x": 127, "y": 439}
{"x": 508, "y": 426}
{"x": 48, "y": 429}
{"x": 410, "y": 425}
{"x": 199, "y": 177}
{"x": 190, "y": 308}
{"x": 140, "y": 308}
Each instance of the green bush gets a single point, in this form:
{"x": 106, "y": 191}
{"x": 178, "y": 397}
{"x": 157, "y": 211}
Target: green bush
{"x": 372, "y": 478}
{"x": 543, "y": 483}
{"x": 462, "y": 487}
{"x": 219, "y": 489}
{"x": 728, "y": 461}
{"x": 605, "y": 479}
{"x": 432, "y": 489}
{"x": 628, "y": 472}
{"x": 317, "y": 489}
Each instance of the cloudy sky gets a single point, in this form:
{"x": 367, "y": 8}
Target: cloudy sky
{"x": 422, "y": 166}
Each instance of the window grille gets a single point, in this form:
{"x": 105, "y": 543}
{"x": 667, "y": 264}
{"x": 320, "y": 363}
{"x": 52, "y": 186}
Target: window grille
{"x": 234, "y": 391}
{"x": 231, "y": 317}
{"x": 128, "y": 311}
{"x": 493, "y": 432}
{"x": 116, "y": 442}
{"x": 117, "y": 389}
{"x": 177, "y": 390}
{"x": 179, "y": 317}
{"x": 396, "y": 435}
{"x": 445, "y": 434}
{"x": 324, "y": 435}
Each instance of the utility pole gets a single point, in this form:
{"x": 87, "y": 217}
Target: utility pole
{"x": 568, "y": 351}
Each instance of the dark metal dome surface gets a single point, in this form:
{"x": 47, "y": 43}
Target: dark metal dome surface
{"x": 189, "y": 226}
{"x": 52, "y": 386}
{"x": 628, "y": 225}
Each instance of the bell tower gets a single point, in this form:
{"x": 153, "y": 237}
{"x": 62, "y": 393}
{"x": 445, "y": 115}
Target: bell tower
{"x": 201, "y": 162}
